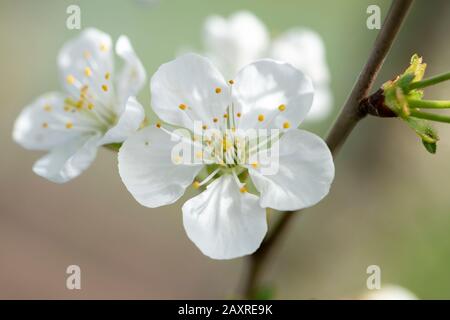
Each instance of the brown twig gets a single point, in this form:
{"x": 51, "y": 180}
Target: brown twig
{"x": 351, "y": 113}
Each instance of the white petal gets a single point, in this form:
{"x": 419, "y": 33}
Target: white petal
{"x": 305, "y": 173}
{"x": 304, "y": 49}
{"x": 128, "y": 123}
{"x": 67, "y": 161}
{"x": 147, "y": 169}
{"x": 132, "y": 76}
{"x": 262, "y": 87}
{"x": 42, "y": 124}
{"x": 234, "y": 42}
{"x": 223, "y": 222}
{"x": 91, "y": 49}
{"x": 190, "y": 80}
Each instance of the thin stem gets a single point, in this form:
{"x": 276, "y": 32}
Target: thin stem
{"x": 430, "y": 81}
{"x": 428, "y": 104}
{"x": 350, "y": 115}
{"x": 430, "y": 116}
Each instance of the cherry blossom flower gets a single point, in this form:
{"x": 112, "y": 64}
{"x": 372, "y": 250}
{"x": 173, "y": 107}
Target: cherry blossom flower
{"x": 228, "y": 219}
{"x": 95, "y": 107}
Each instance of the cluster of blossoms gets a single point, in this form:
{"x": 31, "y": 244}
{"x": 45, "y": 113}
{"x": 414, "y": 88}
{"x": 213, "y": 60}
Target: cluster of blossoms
{"x": 228, "y": 218}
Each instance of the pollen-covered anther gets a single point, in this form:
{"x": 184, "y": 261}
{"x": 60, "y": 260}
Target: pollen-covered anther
{"x": 105, "y": 87}
{"x": 70, "y": 79}
{"x": 45, "y": 125}
{"x": 90, "y": 106}
{"x": 231, "y": 82}
{"x": 182, "y": 106}
{"x": 261, "y": 118}
{"x": 215, "y": 120}
{"x": 204, "y": 127}
{"x": 218, "y": 90}
{"x": 107, "y": 76}
{"x": 158, "y": 125}
{"x": 255, "y": 165}
{"x": 238, "y": 114}
{"x": 87, "y": 72}
{"x": 243, "y": 189}
{"x": 103, "y": 47}
{"x": 282, "y": 107}
{"x": 69, "y": 125}
{"x": 286, "y": 125}
{"x": 196, "y": 184}
{"x": 199, "y": 154}
{"x": 79, "y": 104}
{"x": 225, "y": 115}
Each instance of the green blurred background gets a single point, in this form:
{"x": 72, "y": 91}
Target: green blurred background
{"x": 389, "y": 204}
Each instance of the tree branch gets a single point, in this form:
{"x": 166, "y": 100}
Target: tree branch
{"x": 351, "y": 113}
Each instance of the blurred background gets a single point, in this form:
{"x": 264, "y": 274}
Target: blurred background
{"x": 389, "y": 204}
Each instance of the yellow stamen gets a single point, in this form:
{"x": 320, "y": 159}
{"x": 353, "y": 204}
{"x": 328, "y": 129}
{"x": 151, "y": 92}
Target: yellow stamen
{"x": 286, "y": 125}
{"x": 255, "y": 165}
{"x": 90, "y": 106}
{"x": 215, "y": 120}
{"x": 218, "y": 90}
{"x": 182, "y": 106}
{"x": 231, "y": 81}
{"x": 107, "y": 75}
{"x": 196, "y": 184}
{"x": 87, "y": 72}
{"x": 204, "y": 127}
{"x": 158, "y": 125}
{"x": 69, "y": 125}
{"x": 103, "y": 47}
{"x": 282, "y": 107}
{"x": 243, "y": 189}
{"x": 70, "y": 79}
{"x": 225, "y": 116}
{"x": 261, "y": 118}
{"x": 199, "y": 154}
{"x": 45, "y": 125}
{"x": 238, "y": 114}
{"x": 105, "y": 87}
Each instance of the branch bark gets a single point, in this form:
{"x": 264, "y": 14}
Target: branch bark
{"x": 351, "y": 113}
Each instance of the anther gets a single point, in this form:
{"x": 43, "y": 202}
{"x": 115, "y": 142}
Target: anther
{"x": 218, "y": 90}
{"x": 87, "y": 72}
{"x": 182, "y": 106}
{"x": 70, "y": 79}
{"x": 286, "y": 125}
{"x": 261, "y": 118}
{"x": 282, "y": 107}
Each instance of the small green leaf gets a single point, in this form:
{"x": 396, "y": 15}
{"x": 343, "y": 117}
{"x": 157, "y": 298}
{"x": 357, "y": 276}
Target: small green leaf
{"x": 431, "y": 147}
